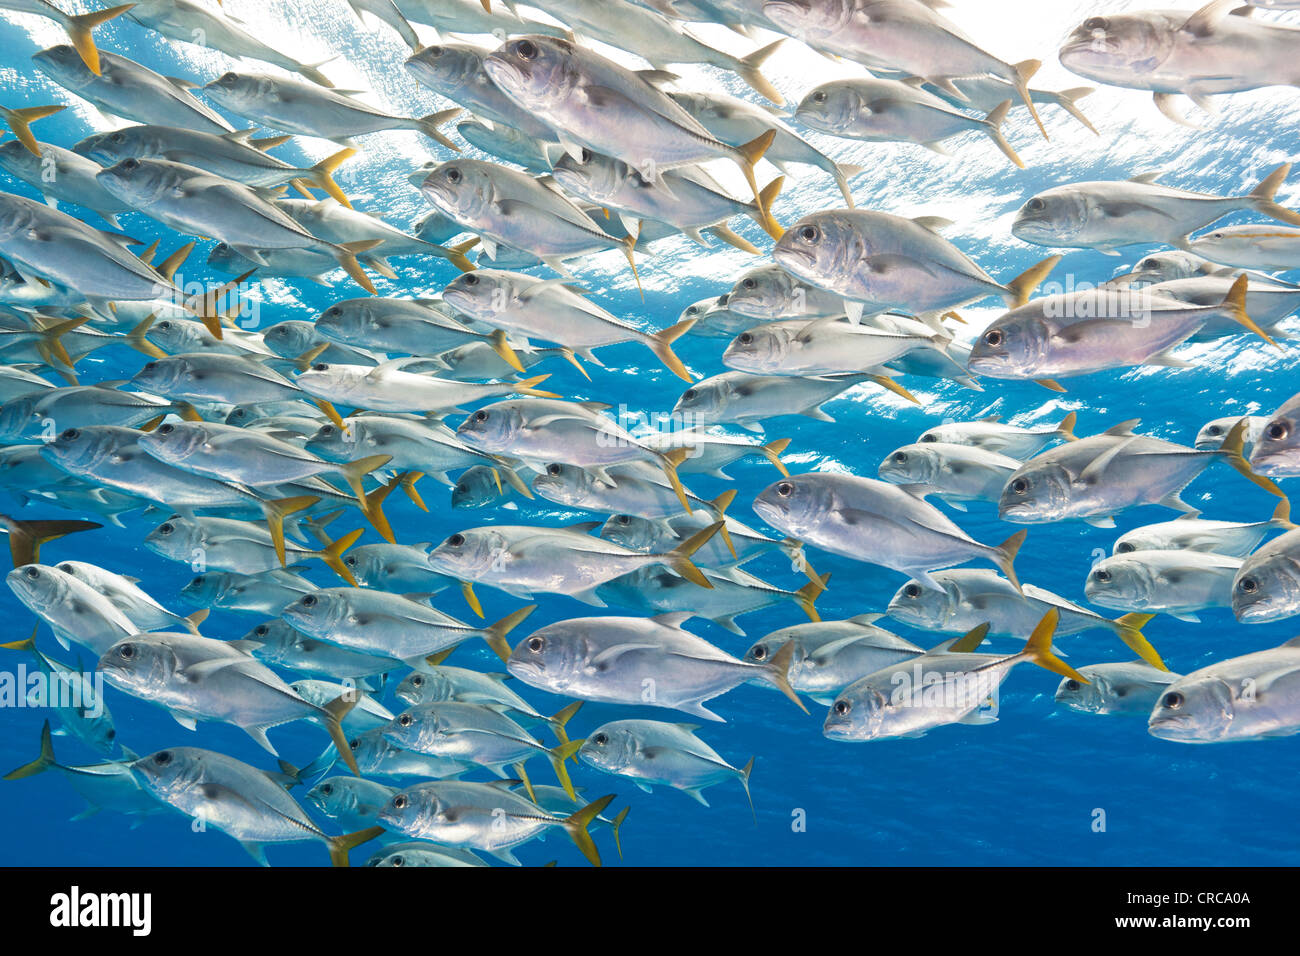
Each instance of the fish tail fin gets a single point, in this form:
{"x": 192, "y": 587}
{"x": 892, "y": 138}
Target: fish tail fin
{"x": 193, "y": 620}
{"x": 772, "y": 452}
{"x": 311, "y": 71}
{"x": 501, "y": 346}
{"x": 887, "y": 383}
{"x": 1282, "y": 514}
{"x": 616, "y": 827}
{"x": 1038, "y": 649}
{"x": 749, "y": 154}
{"x": 340, "y": 845}
{"x": 972, "y": 639}
{"x": 745, "y": 773}
{"x": 558, "y": 756}
{"x": 806, "y": 597}
{"x": 26, "y": 644}
{"x": 748, "y": 70}
{"x": 50, "y": 344}
{"x": 777, "y": 672}
{"x": 1022, "y": 286}
{"x": 1129, "y": 628}
{"x": 679, "y": 558}
{"x": 346, "y": 253}
{"x": 372, "y": 504}
{"x": 1234, "y": 304}
{"x": 80, "y": 27}
{"x": 276, "y": 511}
{"x": 406, "y": 481}
{"x": 167, "y": 268}
{"x": 42, "y": 763}
{"x": 1066, "y": 428}
{"x": 571, "y": 357}
{"x": 562, "y": 718}
{"x": 428, "y": 125}
{"x": 1068, "y": 100}
{"x": 495, "y": 634}
{"x": 669, "y": 461}
{"x": 332, "y": 555}
{"x": 843, "y": 172}
{"x": 1232, "y": 448}
{"x": 456, "y": 254}
{"x": 661, "y": 343}
{"x": 629, "y": 252}
{"x": 767, "y": 195}
{"x": 322, "y": 174}
{"x": 26, "y": 537}
{"x": 1025, "y": 71}
{"x": 136, "y": 338}
{"x": 993, "y": 126}
{"x": 720, "y": 505}
{"x": 794, "y": 550}
{"x": 1004, "y": 556}
{"x": 529, "y": 387}
{"x": 1262, "y": 197}
{"x": 334, "y": 712}
{"x": 513, "y": 479}
{"x": 578, "y": 824}
{"x": 19, "y": 120}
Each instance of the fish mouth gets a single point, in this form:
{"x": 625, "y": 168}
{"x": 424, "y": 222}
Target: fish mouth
{"x": 1170, "y": 728}
{"x": 1279, "y": 464}
{"x": 504, "y": 72}
{"x": 1258, "y": 613}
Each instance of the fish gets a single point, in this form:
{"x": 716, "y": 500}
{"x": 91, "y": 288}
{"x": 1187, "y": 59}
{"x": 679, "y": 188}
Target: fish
{"x": 398, "y": 568}
{"x": 830, "y": 655}
{"x": 1191, "y": 532}
{"x": 352, "y": 803}
{"x": 1107, "y": 216}
{"x": 991, "y": 434}
{"x": 747, "y": 400}
{"x": 503, "y": 142}
{"x": 74, "y": 610}
{"x": 648, "y": 495}
{"x": 267, "y": 592}
{"x": 277, "y": 643}
{"x": 1266, "y": 248}
{"x": 879, "y": 523}
{"x": 229, "y": 544}
{"x": 63, "y": 176}
{"x": 69, "y": 693}
{"x": 405, "y": 326}
{"x": 652, "y": 752}
{"x": 420, "y": 852}
{"x": 78, "y": 26}
{"x": 970, "y": 597}
{"x": 1096, "y": 478}
{"x": 248, "y": 804}
{"x": 485, "y": 817}
{"x": 1267, "y": 302}
{"x": 646, "y": 661}
{"x": 884, "y": 111}
{"x": 473, "y": 17}
{"x": 650, "y": 534}
{"x": 957, "y": 473}
{"x": 878, "y": 262}
{"x": 388, "y": 387}
{"x": 441, "y": 682}
{"x": 711, "y": 451}
{"x": 769, "y": 293}
{"x": 1177, "y": 582}
{"x": 984, "y": 93}
{"x": 1251, "y": 697}
{"x": 366, "y": 714}
{"x": 198, "y": 678}
{"x": 378, "y": 757}
{"x": 1129, "y": 688}
{"x": 914, "y": 697}
{"x": 1175, "y": 264}
{"x": 1215, "y": 49}
{"x": 129, "y": 598}
{"x": 1267, "y": 587}
{"x": 306, "y": 109}
{"x": 1277, "y": 450}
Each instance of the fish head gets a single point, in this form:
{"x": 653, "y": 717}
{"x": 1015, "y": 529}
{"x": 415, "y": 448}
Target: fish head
{"x": 1015, "y": 344}
{"x": 767, "y": 292}
{"x": 564, "y": 484}
{"x": 143, "y": 665}
{"x": 161, "y": 375}
{"x": 422, "y": 687}
{"x": 1121, "y": 581}
{"x": 204, "y": 590}
{"x": 482, "y": 293}
{"x": 330, "y": 381}
{"x": 142, "y": 182}
{"x": 1037, "y": 491}
{"x": 81, "y": 450}
{"x": 109, "y": 148}
{"x": 468, "y": 554}
{"x": 831, "y": 107}
{"x": 350, "y": 321}
{"x": 493, "y": 428}
{"x": 175, "y": 335}
{"x": 63, "y": 64}
{"x": 912, "y": 464}
{"x": 795, "y": 505}
{"x": 333, "y": 443}
{"x": 697, "y": 310}
{"x": 435, "y": 226}
{"x": 290, "y": 338}
{"x": 706, "y": 400}
{"x": 923, "y": 607}
{"x": 177, "y": 538}
{"x": 460, "y": 188}
{"x": 446, "y": 67}
{"x": 19, "y": 417}
{"x": 1277, "y": 450}
{"x": 170, "y": 772}
{"x": 822, "y": 248}
{"x": 760, "y": 349}
{"x": 857, "y": 713}
{"x": 240, "y": 92}
{"x": 1089, "y": 698}
{"x": 475, "y": 487}
{"x": 554, "y": 655}
{"x": 809, "y": 19}
{"x": 318, "y": 612}
{"x": 612, "y": 747}
{"x": 1210, "y": 436}
{"x": 1167, "y": 266}
{"x": 631, "y": 532}
{"x": 176, "y": 442}
{"x": 39, "y": 585}
{"x": 1120, "y": 49}
{"x": 592, "y": 176}
{"x": 535, "y": 71}
{"x": 415, "y": 728}
{"x": 1051, "y": 217}
{"x": 334, "y": 796}
{"x": 14, "y": 156}
{"x": 1266, "y": 588}
{"x": 224, "y": 258}
{"x": 1194, "y": 709}
{"x": 414, "y": 810}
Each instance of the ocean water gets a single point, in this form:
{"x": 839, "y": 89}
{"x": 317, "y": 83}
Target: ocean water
{"x": 1024, "y": 790}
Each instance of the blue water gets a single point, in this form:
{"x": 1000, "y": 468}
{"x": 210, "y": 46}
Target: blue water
{"x": 1024, "y": 790}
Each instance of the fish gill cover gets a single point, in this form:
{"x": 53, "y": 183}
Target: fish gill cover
{"x": 517, "y": 408}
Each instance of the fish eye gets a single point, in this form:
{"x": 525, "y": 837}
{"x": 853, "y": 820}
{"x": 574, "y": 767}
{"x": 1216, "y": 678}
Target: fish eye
{"x": 261, "y": 630}
{"x": 166, "y": 429}
{"x": 433, "y": 50}
{"x": 1213, "y": 430}
{"x": 417, "y": 681}
{"x": 535, "y": 644}
{"x": 526, "y": 49}
{"x": 32, "y": 573}
{"x": 66, "y": 568}
{"x": 745, "y": 338}
{"x": 1277, "y": 431}
{"x": 759, "y": 652}
{"x": 164, "y": 325}
{"x": 166, "y": 528}
{"x": 126, "y": 651}
{"x": 553, "y": 470}
{"x": 688, "y": 394}
{"x": 1101, "y": 575}
{"x": 624, "y": 519}
{"x": 785, "y": 489}
{"x": 308, "y": 600}
{"x": 162, "y": 758}
{"x": 327, "y": 429}
{"x": 1124, "y": 547}
{"x": 693, "y": 310}
{"x": 470, "y": 279}
{"x": 1096, "y": 23}
{"x": 819, "y": 96}
{"x": 842, "y": 707}
{"x": 912, "y": 590}
{"x": 111, "y": 735}
{"x": 748, "y": 284}
{"x": 350, "y": 560}
{"x": 600, "y": 739}
{"x": 900, "y": 457}
{"x": 397, "y": 861}
{"x": 809, "y": 233}
{"x": 70, "y": 434}
{"x": 319, "y": 367}
{"x": 118, "y": 138}
{"x": 586, "y": 155}
{"x": 327, "y": 788}
{"x": 1249, "y": 585}
{"x": 994, "y": 337}
{"x": 456, "y": 540}
{"x": 453, "y": 175}
{"x": 1072, "y": 684}
{"x": 1035, "y": 205}
{"x": 228, "y": 79}
{"x": 354, "y": 743}
{"x": 400, "y": 802}
{"x": 928, "y": 437}
{"x": 1172, "y": 700}
{"x": 1020, "y": 486}
{"x": 462, "y": 489}
{"x": 481, "y": 415}
{"x": 130, "y": 164}
{"x": 405, "y": 720}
